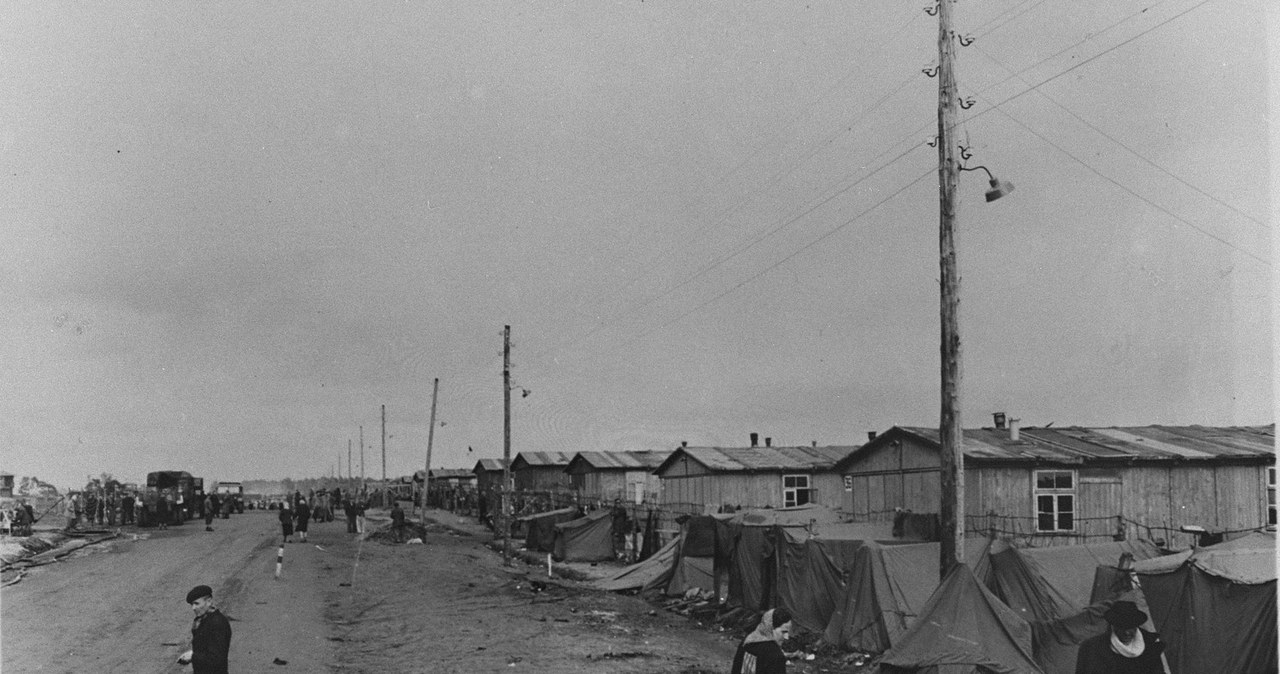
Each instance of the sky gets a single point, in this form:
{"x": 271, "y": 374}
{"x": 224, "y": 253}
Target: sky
{"x": 232, "y": 232}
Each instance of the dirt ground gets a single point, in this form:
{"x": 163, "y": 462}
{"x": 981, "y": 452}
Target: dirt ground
{"x": 342, "y": 604}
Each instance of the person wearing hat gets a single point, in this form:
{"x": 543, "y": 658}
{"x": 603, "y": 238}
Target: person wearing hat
{"x": 761, "y": 652}
{"x": 1125, "y": 648}
{"x": 210, "y": 634}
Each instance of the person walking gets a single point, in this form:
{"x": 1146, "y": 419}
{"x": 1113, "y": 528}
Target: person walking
{"x": 349, "y": 509}
{"x": 303, "y": 519}
{"x": 360, "y": 508}
{"x": 210, "y": 634}
{"x": 397, "y": 522}
{"x": 286, "y": 521}
{"x": 761, "y": 652}
{"x": 162, "y": 510}
{"x": 1125, "y": 648}
{"x": 209, "y": 509}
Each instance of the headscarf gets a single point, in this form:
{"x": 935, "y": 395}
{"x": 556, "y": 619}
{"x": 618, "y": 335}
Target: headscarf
{"x": 770, "y": 621}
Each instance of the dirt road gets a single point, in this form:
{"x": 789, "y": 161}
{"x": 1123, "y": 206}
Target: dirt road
{"x": 341, "y": 605}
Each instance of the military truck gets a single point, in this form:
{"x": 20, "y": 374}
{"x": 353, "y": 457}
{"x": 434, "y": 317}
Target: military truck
{"x": 233, "y": 491}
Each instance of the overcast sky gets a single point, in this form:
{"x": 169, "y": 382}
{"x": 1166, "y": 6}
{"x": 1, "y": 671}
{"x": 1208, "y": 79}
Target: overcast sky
{"x": 231, "y": 231}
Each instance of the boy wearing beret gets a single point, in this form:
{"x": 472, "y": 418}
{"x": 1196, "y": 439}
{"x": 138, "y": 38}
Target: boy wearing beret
{"x": 210, "y": 634}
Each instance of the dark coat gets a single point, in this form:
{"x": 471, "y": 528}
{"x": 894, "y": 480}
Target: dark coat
{"x": 760, "y": 657}
{"x": 210, "y": 643}
{"x": 1096, "y": 657}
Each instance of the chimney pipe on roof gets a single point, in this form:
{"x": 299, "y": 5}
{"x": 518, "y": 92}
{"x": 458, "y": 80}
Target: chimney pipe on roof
{"x": 1013, "y": 429}
{"x": 815, "y": 443}
{"x": 768, "y": 442}
{"x": 684, "y": 443}
{"x": 998, "y": 418}
{"x": 871, "y": 435}
{"x": 755, "y": 439}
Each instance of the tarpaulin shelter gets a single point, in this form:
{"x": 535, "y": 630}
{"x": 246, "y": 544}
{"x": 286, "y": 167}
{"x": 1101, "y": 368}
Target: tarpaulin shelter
{"x": 1031, "y": 581}
{"x": 813, "y": 565}
{"x": 1215, "y": 607}
{"x": 540, "y": 528}
{"x": 650, "y": 573}
{"x": 750, "y": 550}
{"x": 887, "y": 587}
{"x": 963, "y": 629}
{"x": 586, "y": 539}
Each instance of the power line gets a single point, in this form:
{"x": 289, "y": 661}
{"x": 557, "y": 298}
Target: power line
{"x": 1122, "y": 186}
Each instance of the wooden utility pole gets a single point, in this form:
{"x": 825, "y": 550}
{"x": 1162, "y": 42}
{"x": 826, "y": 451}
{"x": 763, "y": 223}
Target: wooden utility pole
{"x": 362, "y": 485}
{"x": 431, "y": 434}
{"x": 951, "y": 436}
{"x": 386, "y": 489}
{"x": 348, "y": 458}
{"x": 506, "y": 446}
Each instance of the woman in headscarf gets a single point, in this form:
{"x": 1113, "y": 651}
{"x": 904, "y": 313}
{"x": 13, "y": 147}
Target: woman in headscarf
{"x": 761, "y": 652}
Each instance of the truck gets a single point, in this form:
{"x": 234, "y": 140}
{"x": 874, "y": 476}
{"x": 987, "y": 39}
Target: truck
{"x": 178, "y": 487}
{"x": 233, "y": 491}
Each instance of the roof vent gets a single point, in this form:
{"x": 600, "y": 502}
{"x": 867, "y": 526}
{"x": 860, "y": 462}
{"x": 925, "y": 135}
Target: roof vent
{"x": 684, "y": 443}
{"x": 999, "y": 419}
{"x": 815, "y": 443}
{"x": 768, "y": 442}
{"x": 871, "y": 435}
{"x": 755, "y": 439}
{"x": 1013, "y": 430}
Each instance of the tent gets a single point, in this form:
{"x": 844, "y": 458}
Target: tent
{"x": 540, "y": 529}
{"x": 1215, "y": 607}
{"x": 586, "y": 539}
{"x": 652, "y": 572}
{"x": 1031, "y": 580}
{"x": 963, "y": 629}
{"x": 888, "y": 585}
{"x": 813, "y": 564}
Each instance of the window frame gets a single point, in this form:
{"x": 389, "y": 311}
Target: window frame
{"x": 790, "y": 494}
{"x": 1271, "y": 497}
{"x": 1056, "y": 494}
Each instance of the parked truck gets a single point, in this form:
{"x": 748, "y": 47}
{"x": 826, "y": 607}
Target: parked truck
{"x": 233, "y": 491}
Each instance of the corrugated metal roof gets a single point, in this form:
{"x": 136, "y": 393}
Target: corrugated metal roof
{"x": 543, "y": 459}
{"x": 737, "y": 459}
{"x": 622, "y": 460}
{"x": 1075, "y": 444}
{"x": 488, "y": 465}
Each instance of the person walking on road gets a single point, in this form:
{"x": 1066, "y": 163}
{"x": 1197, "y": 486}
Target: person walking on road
{"x": 208, "y": 513}
{"x": 303, "y": 518}
{"x": 286, "y": 521}
{"x": 397, "y": 522}
{"x": 210, "y": 634}
{"x": 761, "y": 652}
{"x": 349, "y": 509}
{"x": 360, "y": 508}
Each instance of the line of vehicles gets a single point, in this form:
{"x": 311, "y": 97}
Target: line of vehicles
{"x": 185, "y": 493}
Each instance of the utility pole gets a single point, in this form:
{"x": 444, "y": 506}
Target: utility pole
{"x": 362, "y": 485}
{"x": 431, "y": 434}
{"x": 506, "y": 446}
{"x": 386, "y": 489}
{"x": 348, "y": 458}
{"x": 951, "y": 435}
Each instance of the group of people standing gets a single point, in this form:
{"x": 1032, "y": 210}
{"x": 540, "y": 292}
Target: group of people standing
{"x": 110, "y": 508}
{"x": 297, "y": 512}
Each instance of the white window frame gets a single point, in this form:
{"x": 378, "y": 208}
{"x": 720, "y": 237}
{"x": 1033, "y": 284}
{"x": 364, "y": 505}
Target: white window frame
{"x": 1271, "y": 497}
{"x": 790, "y": 493}
{"x": 1058, "y": 495}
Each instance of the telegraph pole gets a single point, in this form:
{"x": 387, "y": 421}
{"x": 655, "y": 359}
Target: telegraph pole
{"x": 951, "y": 435}
{"x": 362, "y": 485}
{"x": 431, "y": 434}
{"x": 386, "y": 489}
{"x": 506, "y": 446}
{"x": 348, "y": 458}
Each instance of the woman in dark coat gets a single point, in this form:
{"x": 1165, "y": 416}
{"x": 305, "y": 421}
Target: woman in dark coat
{"x": 761, "y": 652}
{"x": 286, "y": 521}
{"x": 303, "y": 517}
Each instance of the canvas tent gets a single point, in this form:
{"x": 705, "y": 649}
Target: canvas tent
{"x": 888, "y": 586}
{"x": 1215, "y": 607}
{"x": 963, "y": 629}
{"x": 650, "y": 573}
{"x": 540, "y": 529}
{"x": 586, "y": 539}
